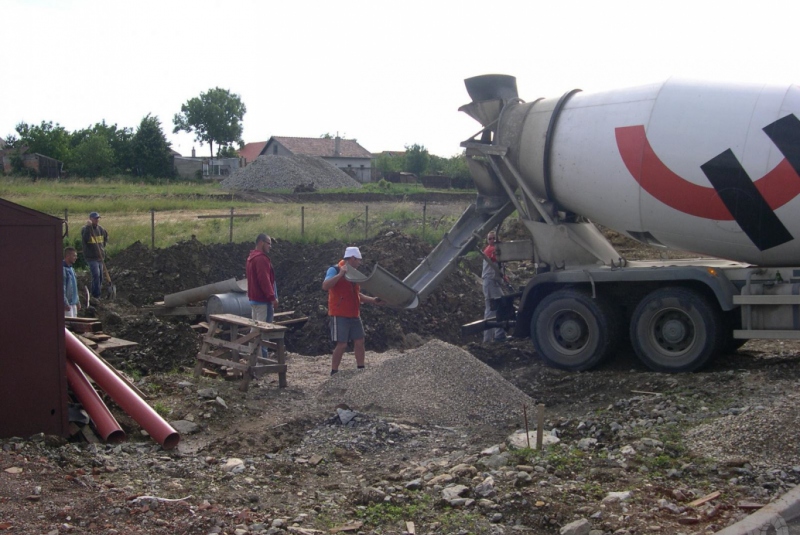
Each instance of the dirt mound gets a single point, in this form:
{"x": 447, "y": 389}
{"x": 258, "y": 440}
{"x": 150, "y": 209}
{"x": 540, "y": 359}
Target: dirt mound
{"x": 143, "y": 276}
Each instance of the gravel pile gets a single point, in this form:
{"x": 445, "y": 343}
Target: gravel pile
{"x": 759, "y": 433}
{"x": 438, "y": 384}
{"x": 288, "y": 172}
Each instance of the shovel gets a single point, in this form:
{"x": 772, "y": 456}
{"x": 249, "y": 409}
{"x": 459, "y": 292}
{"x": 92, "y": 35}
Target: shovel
{"x": 111, "y": 289}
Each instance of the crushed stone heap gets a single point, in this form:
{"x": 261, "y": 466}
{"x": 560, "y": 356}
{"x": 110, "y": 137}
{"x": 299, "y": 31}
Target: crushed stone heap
{"x": 438, "y": 384}
{"x": 274, "y": 172}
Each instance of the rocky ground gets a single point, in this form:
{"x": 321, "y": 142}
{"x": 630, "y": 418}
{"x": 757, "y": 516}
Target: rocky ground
{"x": 419, "y": 442}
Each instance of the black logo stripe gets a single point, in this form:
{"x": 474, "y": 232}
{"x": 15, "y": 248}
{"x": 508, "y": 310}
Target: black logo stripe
{"x": 785, "y": 133}
{"x": 744, "y": 201}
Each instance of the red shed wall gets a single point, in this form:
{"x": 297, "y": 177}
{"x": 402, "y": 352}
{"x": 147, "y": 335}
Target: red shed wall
{"x": 33, "y": 385}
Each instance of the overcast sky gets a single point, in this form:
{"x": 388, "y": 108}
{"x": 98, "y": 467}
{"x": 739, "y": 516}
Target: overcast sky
{"x": 388, "y": 73}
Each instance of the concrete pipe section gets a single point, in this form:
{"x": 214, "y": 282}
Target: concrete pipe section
{"x": 781, "y": 517}
{"x": 201, "y": 293}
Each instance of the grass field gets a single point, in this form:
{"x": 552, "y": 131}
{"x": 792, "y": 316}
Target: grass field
{"x": 126, "y": 207}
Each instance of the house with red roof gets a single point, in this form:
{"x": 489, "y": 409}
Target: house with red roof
{"x": 345, "y": 154}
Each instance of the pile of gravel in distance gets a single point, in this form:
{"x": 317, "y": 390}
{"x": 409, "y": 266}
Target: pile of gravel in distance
{"x": 758, "y": 434}
{"x": 274, "y": 172}
{"x": 437, "y": 384}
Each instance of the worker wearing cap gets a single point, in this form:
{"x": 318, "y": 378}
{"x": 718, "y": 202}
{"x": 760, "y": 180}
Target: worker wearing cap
{"x": 344, "y": 308}
{"x": 94, "y": 239}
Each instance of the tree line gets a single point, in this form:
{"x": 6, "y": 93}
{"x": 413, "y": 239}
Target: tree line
{"x": 99, "y": 150}
{"x": 419, "y": 161}
{"x": 214, "y": 117}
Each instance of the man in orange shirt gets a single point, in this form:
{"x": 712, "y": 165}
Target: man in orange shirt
{"x": 344, "y": 308}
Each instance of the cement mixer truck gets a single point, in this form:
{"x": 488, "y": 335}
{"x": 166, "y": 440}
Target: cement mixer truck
{"x": 707, "y": 168}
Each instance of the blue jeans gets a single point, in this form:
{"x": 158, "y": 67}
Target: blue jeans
{"x": 96, "y": 269}
{"x": 263, "y": 312}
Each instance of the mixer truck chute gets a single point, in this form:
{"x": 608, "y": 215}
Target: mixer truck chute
{"x": 705, "y": 168}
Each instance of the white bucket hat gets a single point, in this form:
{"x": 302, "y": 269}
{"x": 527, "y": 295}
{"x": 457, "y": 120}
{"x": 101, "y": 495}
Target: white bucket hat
{"x": 352, "y": 251}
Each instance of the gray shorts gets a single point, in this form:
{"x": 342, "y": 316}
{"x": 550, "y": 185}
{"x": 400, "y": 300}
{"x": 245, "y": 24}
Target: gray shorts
{"x": 346, "y": 329}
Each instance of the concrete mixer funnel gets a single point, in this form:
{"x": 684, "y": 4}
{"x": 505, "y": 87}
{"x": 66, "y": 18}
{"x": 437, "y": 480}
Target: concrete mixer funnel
{"x": 491, "y": 87}
{"x": 383, "y": 284}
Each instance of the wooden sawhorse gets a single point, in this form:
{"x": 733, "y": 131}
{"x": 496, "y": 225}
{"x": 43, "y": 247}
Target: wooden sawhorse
{"x": 245, "y": 346}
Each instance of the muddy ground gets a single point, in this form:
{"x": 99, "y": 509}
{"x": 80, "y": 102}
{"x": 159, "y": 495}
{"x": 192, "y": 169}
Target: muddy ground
{"x": 277, "y": 460}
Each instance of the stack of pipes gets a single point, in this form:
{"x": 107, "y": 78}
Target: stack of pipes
{"x": 81, "y": 359}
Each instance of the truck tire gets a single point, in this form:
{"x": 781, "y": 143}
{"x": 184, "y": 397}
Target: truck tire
{"x": 676, "y": 330}
{"x": 572, "y": 331}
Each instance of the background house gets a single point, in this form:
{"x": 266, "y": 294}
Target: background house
{"x": 345, "y": 154}
{"x": 251, "y": 151}
{"x": 41, "y": 165}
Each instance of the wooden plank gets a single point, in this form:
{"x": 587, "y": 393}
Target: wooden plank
{"x": 245, "y": 322}
{"x": 114, "y": 343}
{"x": 247, "y": 338}
{"x": 246, "y": 349}
{"x": 223, "y": 362}
{"x": 226, "y": 216}
{"x": 91, "y": 344}
{"x": 97, "y": 337}
{"x": 88, "y": 435}
{"x": 704, "y": 499}
{"x": 216, "y": 354}
{"x": 93, "y": 327}
{"x": 80, "y": 320}
{"x": 260, "y": 370}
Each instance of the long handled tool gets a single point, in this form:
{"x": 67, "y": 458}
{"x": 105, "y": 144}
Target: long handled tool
{"x": 111, "y": 289}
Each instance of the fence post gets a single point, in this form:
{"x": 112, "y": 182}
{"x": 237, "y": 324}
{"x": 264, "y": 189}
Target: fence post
{"x": 366, "y": 221}
{"x": 302, "y": 221}
{"x": 152, "y": 228}
{"x": 66, "y": 220}
{"x": 424, "y": 213}
{"x": 230, "y": 238}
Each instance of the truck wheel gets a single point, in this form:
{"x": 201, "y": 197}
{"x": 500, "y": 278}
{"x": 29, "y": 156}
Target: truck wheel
{"x": 572, "y": 331}
{"x": 676, "y": 330}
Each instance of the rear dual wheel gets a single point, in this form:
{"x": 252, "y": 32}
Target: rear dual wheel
{"x": 676, "y": 330}
{"x": 573, "y": 331}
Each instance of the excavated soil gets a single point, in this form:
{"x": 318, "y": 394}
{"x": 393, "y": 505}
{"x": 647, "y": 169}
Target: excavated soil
{"x": 144, "y": 276}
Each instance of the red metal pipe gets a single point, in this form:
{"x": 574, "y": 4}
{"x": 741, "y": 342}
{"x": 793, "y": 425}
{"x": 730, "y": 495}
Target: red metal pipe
{"x": 103, "y": 420}
{"x": 122, "y": 394}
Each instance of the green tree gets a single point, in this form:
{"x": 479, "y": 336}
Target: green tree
{"x": 417, "y": 159}
{"x": 390, "y": 163}
{"x": 227, "y": 152}
{"x": 46, "y": 139}
{"x": 93, "y": 157}
{"x": 151, "y": 150}
{"x": 120, "y": 140}
{"x": 455, "y": 166}
{"x": 214, "y": 116}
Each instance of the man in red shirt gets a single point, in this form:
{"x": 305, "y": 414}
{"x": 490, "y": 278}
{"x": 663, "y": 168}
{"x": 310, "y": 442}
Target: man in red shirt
{"x": 261, "y": 289}
{"x": 344, "y": 308}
